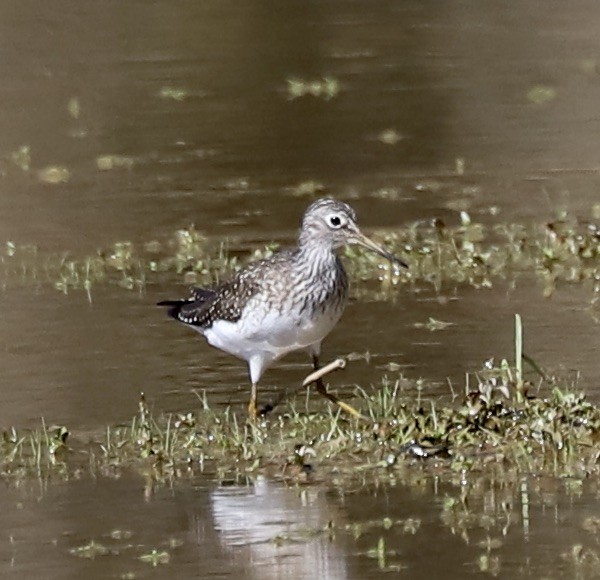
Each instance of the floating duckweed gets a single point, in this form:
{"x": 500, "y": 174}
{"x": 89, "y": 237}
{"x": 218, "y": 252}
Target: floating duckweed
{"x": 307, "y": 188}
{"x": 22, "y": 157}
{"x": 388, "y": 193}
{"x": 541, "y": 94}
{"x": 589, "y": 65}
{"x": 121, "y": 534}
{"x": 411, "y": 526}
{"x": 174, "y": 93}
{"x": 90, "y": 551}
{"x": 389, "y": 137}
{"x": 326, "y": 88}
{"x": 54, "y": 174}
{"x": 591, "y": 524}
{"x": 74, "y": 107}
{"x": 156, "y": 557}
{"x": 432, "y": 324}
{"x": 108, "y": 162}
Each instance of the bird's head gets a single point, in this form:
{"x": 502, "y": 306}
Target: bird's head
{"x": 333, "y": 223}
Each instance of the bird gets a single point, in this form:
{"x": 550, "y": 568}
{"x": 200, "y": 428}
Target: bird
{"x": 286, "y": 302}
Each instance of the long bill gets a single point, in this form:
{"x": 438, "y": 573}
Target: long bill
{"x": 359, "y": 238}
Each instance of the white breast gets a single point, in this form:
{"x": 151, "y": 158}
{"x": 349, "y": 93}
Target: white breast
{"x": 272, "y": 333}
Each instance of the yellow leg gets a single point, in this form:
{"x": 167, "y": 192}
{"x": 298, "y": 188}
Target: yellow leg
{"x": 252, "y": 405}
{"x": 322, "y": 390}
{"x": 344, "y": 406}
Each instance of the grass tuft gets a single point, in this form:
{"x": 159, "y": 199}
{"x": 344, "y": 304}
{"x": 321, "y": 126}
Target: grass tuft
{"x": 552, "y": 431}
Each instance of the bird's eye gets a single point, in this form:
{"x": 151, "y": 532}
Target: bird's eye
{"x": 335, "y": 221}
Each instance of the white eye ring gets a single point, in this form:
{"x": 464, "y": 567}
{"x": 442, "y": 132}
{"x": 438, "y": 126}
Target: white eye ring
{"x": 335, "y": 221}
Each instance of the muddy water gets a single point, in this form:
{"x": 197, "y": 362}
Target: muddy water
{"x": 526, "y": 528}
{"x": 509, "y": 92}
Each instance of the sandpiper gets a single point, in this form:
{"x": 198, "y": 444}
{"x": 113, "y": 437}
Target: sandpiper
{"x": 287, "y": 302}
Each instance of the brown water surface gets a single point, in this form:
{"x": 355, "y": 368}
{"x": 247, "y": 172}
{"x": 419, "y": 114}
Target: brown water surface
{"x": 259, "y": 529}
{"x": 510, "y": 92}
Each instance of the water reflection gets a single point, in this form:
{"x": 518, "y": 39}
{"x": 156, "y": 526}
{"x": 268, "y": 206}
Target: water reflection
{"x": 278, "y": 532}
{"x": 423, "y": 525}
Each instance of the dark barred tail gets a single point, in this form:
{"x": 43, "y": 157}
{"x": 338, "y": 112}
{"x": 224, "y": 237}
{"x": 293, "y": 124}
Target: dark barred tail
{"x": 199, "y": 297}
{"x": 174, "y": 306}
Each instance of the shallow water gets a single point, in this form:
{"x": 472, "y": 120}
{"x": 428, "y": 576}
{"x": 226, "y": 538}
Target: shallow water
{"x": 425, "y": 89}
{"x": 526, "y": 528}
{"x": 75, "y": 364}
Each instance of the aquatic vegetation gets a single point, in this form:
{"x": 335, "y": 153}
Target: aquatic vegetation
{"x": 540, "y": 94}
{"x": 309, "y": 188}
{"x": 156, "y": 557}
{"x": 54, "y": 174}
{"x": 513, "y": 442}
{"x": 173, "y": 93}
{"x": 90, "y": 550}
{"x": 442, "y": 257}
{"x": 563, "y": 251}
{"x": 433, "y": 324}
{"x": 589, "y": 66}
{"x": 74, "y": 107}
{"x": 383, "y": 554}
{"x": 22, "y": 157}
{"x": 326, "y": 88}
{"x": 501, "y": 422}
{"x": 108, "y": 162}
{"x": 389, "y": 136}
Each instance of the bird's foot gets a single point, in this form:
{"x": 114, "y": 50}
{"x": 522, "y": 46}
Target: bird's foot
{"x": 322, "y": 390}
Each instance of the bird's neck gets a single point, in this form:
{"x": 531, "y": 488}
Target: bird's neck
{"x": 316, "y": 254}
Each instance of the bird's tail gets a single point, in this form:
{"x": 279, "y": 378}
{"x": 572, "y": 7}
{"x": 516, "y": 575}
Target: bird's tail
{"x": 174, "y": 306}
{"x": 172, "y": 302}
{"x": 199, "y": 296}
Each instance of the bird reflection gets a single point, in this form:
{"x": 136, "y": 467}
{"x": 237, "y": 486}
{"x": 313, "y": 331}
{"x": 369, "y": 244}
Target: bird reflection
{"x": 274, "y": 531}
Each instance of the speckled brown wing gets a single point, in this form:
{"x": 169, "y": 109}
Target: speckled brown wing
{"x": 224, "y": 303}
{"x": 200, "y": 294}
{"x": 227, "y": 301}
